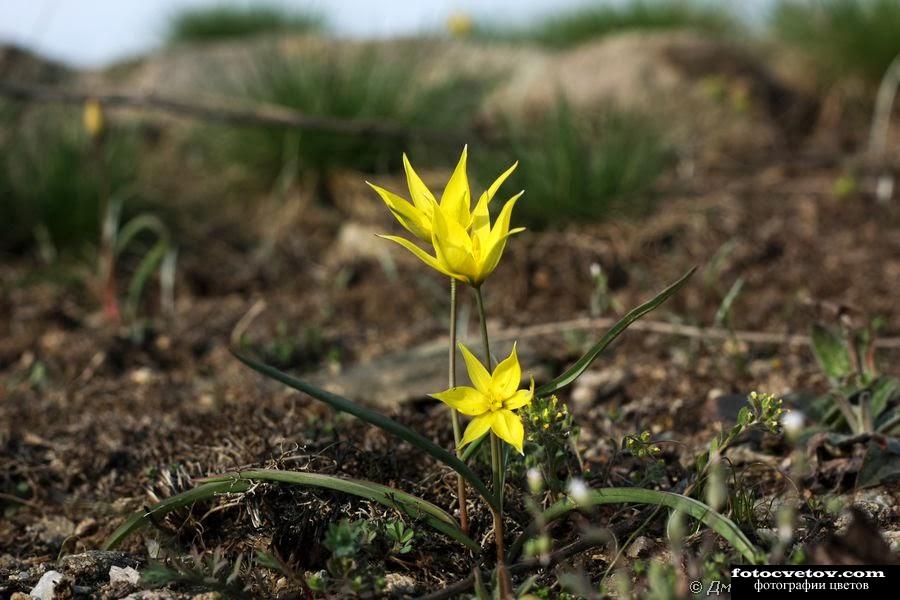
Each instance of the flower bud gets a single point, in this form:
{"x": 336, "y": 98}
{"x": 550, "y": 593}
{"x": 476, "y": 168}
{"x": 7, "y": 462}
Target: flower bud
{"x": 92, "y": 117}
{"x": 535, "y": 480}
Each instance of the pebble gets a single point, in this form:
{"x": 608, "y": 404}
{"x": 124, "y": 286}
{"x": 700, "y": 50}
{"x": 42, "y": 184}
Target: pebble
{"x": 44, "y": 590}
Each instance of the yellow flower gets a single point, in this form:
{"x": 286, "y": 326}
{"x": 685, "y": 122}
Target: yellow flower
{"x": 417, "y": 216}
{"x": 466, "y": 246}
{"x": 460, "y": 24}
{"x": 92, "y": 117}
{"x": 492, "y": 400}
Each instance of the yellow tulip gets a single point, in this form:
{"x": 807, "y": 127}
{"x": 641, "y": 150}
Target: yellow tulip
{"x": 492, "y": 400}
{"x": 466, "y": 246}
{"x": 416, "y": 216}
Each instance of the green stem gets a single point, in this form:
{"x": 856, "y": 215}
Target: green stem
{"x": 496, "y": 466}
{"x": 454, "y": 415}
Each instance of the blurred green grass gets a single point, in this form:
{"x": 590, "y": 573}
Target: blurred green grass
{"x": 591, "y": 22}
{"x": 363, "y": 83}
{"x": 221, "y": 22}
{"x": 847, "y": 37}
{"x": 575, "y": 167}
{"x": 52, "y": 179}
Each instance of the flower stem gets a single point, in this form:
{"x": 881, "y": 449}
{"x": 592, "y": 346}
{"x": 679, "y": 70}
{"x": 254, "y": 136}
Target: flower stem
{"x": 454, "y": 415}
{"x": 496, "y": 466}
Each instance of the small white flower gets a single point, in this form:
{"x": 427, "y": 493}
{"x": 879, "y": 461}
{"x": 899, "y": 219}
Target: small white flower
{"x": 579, "y": 490}
{"x": 793, "y": 421}
{"x": 535, "y": 480}
{"x": 596, "y": 270}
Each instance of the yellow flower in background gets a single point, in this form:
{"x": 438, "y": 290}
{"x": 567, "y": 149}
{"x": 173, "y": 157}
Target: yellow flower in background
{"x": 92, "y": 118}
{"x": 492, "y": 400}
{"x": 460, "y": 24}
{"x": 466, "y": 246}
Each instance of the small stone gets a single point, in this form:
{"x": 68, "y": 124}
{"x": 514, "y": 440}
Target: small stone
{"x": 19, "y": 596}
{"x": 128, "y": 575}
{"x": 46, "y": 585}
{"x": 638, "y": 547}
{"x": 398, "y": 583}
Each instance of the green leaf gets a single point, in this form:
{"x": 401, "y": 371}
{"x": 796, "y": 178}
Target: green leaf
{"x": 573, "y": 372}
{"x": 831, "y": 352}
{"x": 413, "y": 506}
{"x": 700, "y": 511}
{"x": 342, "y": 404}
{"x": 201, "y": 493}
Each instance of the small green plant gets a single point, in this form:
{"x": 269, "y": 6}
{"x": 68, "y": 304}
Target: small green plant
{"x": 226, "y": 22}
{"x": 592, "y": 22}
{"x": 551, "y": 436}
{"x": 849, "y": 37}
{"x": 401, "y": 537}
{"x": 860, "y": 399}
{"x": 577, "y": 167}
{"x": 210, "y": 571}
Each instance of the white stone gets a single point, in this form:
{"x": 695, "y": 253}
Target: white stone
{"x": 128, "y": 575}
{"x": 44, "y": 590}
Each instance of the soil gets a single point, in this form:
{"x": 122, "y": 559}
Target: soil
{"x": 98, "y": 420}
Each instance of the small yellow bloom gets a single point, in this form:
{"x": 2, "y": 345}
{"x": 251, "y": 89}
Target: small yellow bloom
{"x": 466, "y": 246}
{"x": 460, "y": 24}
{"x": 92, "y": 118}
{"x": 492, "y": 400}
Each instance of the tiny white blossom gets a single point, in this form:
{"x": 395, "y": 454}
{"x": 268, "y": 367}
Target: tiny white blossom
{"x": 793, "y": 421}
{"x": 535, "y": 480}
{"x": 579, "y": 490}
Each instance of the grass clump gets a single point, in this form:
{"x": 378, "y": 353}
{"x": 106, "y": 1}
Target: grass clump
{"x": 362, "y": 84}
{"x": 592, "y": 22}
{"x": 850, "y": 37}
{"x": 575, "y": 167}
{"x": 227, "y": 22}
{"x": 52, "y": 180}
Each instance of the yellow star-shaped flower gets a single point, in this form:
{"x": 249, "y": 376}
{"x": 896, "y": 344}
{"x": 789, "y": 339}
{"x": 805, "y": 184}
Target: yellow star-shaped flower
{"x": 492, "y": 400}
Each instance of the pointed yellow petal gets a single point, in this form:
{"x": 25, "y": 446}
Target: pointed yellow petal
{"x": 477, "y": 428}
{"x": 413, "y": 219}
{"x": 520, "y": 398}
{"x": 456, "y": 198}
{"x": 508, "y": 427}
{"x": 466, "y": 400}
{"x": 506, "y": 376}
{"x": 478, "y": 375}
{"x": 492, "y": 191}
{"x": 501, "y": 225}
{"x": 421, "y": 254}
{"x": 418, "y": 191}
{"x": 452, "y": 245}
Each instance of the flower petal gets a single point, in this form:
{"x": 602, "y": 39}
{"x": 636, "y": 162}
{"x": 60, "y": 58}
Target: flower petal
{"x": 421, "y": 254}
{"x": 508, "y": 427}
{"x": 477, "y": 428}
{"x": 478, "y": 375}
{"x": 481, "y": 221}
{"x": 506, "y": 376}
{"x": 456, "y": 197}
{"x": 466, "y": 400}
{"x": 452, "y": 245}
{"x": 413, "y": 219}
{"x": 520, "y": 398}
{"x": 418, "y": 191}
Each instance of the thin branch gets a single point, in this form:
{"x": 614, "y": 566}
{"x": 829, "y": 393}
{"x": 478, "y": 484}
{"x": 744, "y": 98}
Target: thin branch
{"x": 219, "y": 110}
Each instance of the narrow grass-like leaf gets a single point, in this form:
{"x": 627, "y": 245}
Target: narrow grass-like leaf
{"x": 573, "y": 372}
{"x": 696, "y": 509}
{"x": 415, "y": 507}
{"x": 342, "y": 404}
{"x": 831, "y": 353}
{"x": 201, "y": 493}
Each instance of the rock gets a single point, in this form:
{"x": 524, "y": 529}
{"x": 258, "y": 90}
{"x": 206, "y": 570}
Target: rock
{"x": 398, "y": 584}
{"x": 127, "y": 575}
{"x": 594, "y": 386}
{"x": 94, "y": 566}
{"x": 357, "y": 242}
{"x": 19, "y": 596}
{"x": 53, "y": 531}
{"x": 46, "y": 586}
